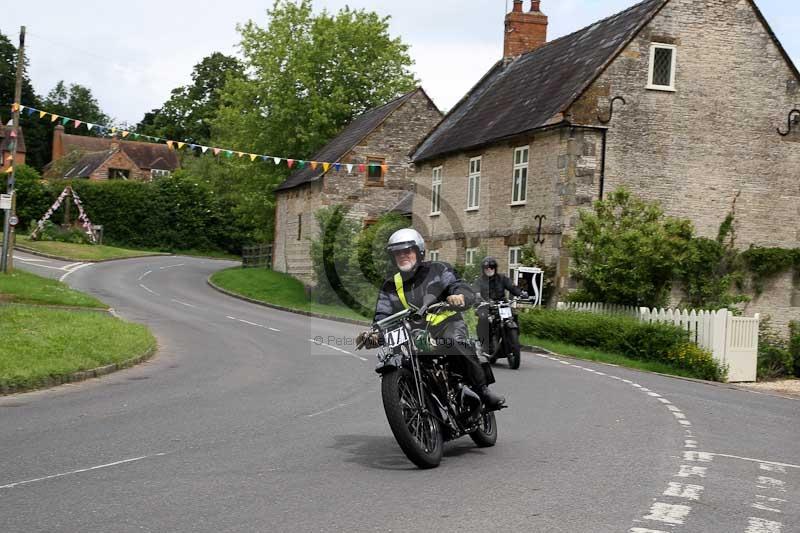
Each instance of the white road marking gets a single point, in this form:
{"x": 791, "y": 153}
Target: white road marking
{"x": 338, "y": 350}
{"x": 30, "y": 259}
{"x": 668, "y": 513}
{"x": 183, "y": 303}
{"x": 759, "y": 525}
{"x": 273, "y": 329}
{"x": 172, "y": 266}
{"x": 80, "y": 266}
{"x": 689, "y": 471}
{"x": 654, "y": 394}
{"x": 766, "y": 482}
{"x": 688, "y": 443}
{"x": 787, "y": 465}
{"x": 679, "y": 415}
{"x": 18, "y": 483}
{"x": 645, "y": 530}
{"x": 664, "y": 401}
{"x": 673, "y": 408}
{"x": 684, "y": 422}
{"x": 148, "y": 290}
{"x": 680, "y": 490}
{"x": 329, "y": 410}
{"x": 702, "y": 457}
{"x": 145, "y": 275}
{"x": 252, "y": 323}
{"x": 71, "y": 265}
{"x": 772, "y": 468}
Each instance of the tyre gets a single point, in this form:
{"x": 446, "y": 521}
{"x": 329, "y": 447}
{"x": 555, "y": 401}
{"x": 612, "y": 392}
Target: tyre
{"x": 486, "y": 436}
{"x": 417, "y": 432}
{"x": 512, "y": 335}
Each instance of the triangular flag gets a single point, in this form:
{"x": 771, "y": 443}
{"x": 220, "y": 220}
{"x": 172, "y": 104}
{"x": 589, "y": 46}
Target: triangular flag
{"x": 169, "y": 145}
{"x": 228, "y": 153}
{"x": 301, "y": 164}
{"x": 265, "y": 158}
{"x": 135, "y": 135}
{"x": 337, "y": 166}
{"x": 54, "y": 117}
{"x": 14, "y": 107}
{"x": 276, "y": 160}
{"x": 13, "y": 134}
{"x": 89, "y": 126}
{"x": 9, "y": 170}
{"x": 253, "y": 157}
{"x": 204, "y": 149}
{"x": 349, "y": 168}
{"x": 125, "y": 134}
{"x": 326, "y": 166}
{"x": 216, "y": 151}
{"x": 181, "y": 145}
{"x": 113, "y": 130}
{"x": 313, "y": 165}
{"x": 240, "y": 154}
{"x": 42, "y": 114}
{"x": 30, "y": 111}
{"x": 362, "y": 167}
{"x": 76, "y": 123}
{"x": 290, "y": 163}
{"x": 64, "y": 121}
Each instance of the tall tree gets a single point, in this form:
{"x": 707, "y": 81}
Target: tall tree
{"x": 75, "y": 101}
{"x": 188, "y": 113}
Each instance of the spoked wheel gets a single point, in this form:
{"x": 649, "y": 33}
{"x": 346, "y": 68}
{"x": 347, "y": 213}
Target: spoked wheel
{"x": 417, "y": 432}
{"x": 512, "y": 335}
{"x": 486, "y": 435}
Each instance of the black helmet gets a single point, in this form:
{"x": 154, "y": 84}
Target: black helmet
{"x": 489, "y": 262}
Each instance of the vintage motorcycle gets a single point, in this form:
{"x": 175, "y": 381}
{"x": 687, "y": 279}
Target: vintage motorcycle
{"x": 505, "y": 332}
{"x": 425, "y": 396}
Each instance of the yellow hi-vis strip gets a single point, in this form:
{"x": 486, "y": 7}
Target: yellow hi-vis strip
{"x": 434, "y": 320}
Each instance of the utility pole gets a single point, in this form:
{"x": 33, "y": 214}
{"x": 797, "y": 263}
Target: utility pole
{"x": 7, "y": 260}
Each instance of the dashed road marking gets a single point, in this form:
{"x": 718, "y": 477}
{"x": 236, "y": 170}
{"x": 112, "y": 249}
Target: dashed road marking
{"x": 149, "y": 290}
{"x": 172, "y": 266}
{"x": 183, "y": 303}
{"x": 692, "y": 471}
{"x": 145, "y": 275}
{"x": 334, "y": 348}
{"x": 681, "y": 490}
{"x": 668, "y": 513}
{"x": 759, "y": 525}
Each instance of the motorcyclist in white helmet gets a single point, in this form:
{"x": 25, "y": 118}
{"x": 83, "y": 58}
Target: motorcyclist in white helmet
{"x": 421, "y": 283}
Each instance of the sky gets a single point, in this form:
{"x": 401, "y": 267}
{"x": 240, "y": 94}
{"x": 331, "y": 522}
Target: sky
{"x": 132, "y": 54}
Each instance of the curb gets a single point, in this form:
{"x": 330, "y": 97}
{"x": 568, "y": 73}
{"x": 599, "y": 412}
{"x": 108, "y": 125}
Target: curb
{"x": 82, "y": 375}
{"x": 71, "y": 308}
{"x": 731, "y": 386}
{"x": 286, "y": 309}
{"x": 60, "y": 258}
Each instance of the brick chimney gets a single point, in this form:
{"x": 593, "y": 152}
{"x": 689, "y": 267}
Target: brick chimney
{"x": 525, "y": 30}
{"x": 58, "y": 142}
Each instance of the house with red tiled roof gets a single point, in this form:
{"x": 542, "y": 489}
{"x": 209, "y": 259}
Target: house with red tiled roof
{"x": 100, "y": 158}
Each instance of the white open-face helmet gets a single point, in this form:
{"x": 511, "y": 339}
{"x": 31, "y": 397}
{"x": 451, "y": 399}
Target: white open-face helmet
{"x": 404, "y": 239}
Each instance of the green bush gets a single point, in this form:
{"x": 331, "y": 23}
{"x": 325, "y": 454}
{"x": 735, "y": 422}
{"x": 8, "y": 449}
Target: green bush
{"x": 625, "y": 336}
{"x": 34, "y": 197}
{"x": 774, "y": 356}
{"x": 52, "y": 232}
{"x": 794, "y": 345}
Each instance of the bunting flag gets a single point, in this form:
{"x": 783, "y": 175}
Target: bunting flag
{"x": 172, "y": 144}
{"x": 9, "y": 170}
{"x": 14, "y": 107}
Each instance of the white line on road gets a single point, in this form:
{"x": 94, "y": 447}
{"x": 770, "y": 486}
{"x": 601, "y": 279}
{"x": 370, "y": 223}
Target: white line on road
{"x": 30, "y": 259}
{"x": 145, "y": 275}
{"x": 337, "y": 349}
{"x": 755, "y": 460}
{"x": 18, "y": 483}
{"x": 172, "y": 266}
{"x": 148, "y": 290}
{"x": 183, "y": 303}
{"x": 759, "y": 525}
{"x": 72, "y": 265}
{"x": 668, "y": 513}
{"x": 80, "y": 266}
{"x": 252, "y": 323}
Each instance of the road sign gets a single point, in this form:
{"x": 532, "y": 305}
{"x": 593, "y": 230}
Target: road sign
{"x": 5, "y": 201}
{"x": 13, "y": 221}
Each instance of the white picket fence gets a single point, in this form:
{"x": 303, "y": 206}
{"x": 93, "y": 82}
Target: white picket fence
{"x": 733, "y": 340}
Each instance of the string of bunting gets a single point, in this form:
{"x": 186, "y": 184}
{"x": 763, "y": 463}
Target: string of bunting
{"x": 292, "y": 163}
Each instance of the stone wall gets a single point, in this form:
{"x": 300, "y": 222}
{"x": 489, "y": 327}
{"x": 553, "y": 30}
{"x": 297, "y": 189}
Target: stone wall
{"x": 391, "y": 141}
{"x": 711, "y": 146}
{"x": 120, "y": 160}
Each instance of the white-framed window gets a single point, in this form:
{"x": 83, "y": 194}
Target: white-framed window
{"x": 519, "y": 185}
{"x": 472, "y": 255}
{"x": 514, "y": 260}
{"x": 436, "y": 191}
{"x": 159, "y": 173}
{"x": 474, "y": 189}
{"x": 663, "y": 58}
{"x": 433, "y": 255}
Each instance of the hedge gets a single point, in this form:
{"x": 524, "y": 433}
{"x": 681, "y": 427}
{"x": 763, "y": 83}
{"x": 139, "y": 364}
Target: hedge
{"x": 626, "y": 336}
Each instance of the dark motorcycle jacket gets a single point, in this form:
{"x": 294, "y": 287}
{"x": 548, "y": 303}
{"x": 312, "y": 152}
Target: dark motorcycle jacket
{"x": 435, "y": 278}
{"x": 494, "y": 288}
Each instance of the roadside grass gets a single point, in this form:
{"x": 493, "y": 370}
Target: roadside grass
{"x": 40, "y": 343}
{"x": 602, "y": 357}
{"x": 278, "y": 289}
{"x": 22, "y": 287}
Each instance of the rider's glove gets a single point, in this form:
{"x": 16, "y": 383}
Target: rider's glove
{"x": 524, "y": 295}
{"x": 368, "y": 339}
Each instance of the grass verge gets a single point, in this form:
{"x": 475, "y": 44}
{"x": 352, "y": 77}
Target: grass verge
{"x": 44, "y": 344}
{"x": 79, "y": 252}
{"x": 22, "y": 287}
{"x": 592, "y": 354}
{"x": 278, "y": 289}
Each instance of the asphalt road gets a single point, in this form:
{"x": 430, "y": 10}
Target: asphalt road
{"x": 243, "y": 423}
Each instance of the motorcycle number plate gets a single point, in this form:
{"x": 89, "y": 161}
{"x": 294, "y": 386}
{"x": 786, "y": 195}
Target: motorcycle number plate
{"x": 505, "y": 312}
{"x": 396, "y": 337}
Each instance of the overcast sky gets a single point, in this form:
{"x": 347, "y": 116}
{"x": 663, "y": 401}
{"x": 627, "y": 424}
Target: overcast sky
{"x": 132, "y": 54}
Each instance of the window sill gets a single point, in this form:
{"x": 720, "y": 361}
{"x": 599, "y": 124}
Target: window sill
{"x": 436, "y": 214}
{"x": 518, "y": 204}
{"x": 472, "y": 209}
{"x": 661, "y": 88}
{"x": 373, "y": 184}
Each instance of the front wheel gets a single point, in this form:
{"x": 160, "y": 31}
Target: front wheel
{"x": 512, "y": 336}
{"x": 486, "y": 435}
{"x": 416, "y": 430}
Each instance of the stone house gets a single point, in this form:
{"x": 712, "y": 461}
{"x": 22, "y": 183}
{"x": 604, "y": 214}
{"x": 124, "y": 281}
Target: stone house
{"x": 101, "y": 158}
{"x": 682, "y": 101}
{"x": 6, "y": 147}
{"x": 369, "y": 173}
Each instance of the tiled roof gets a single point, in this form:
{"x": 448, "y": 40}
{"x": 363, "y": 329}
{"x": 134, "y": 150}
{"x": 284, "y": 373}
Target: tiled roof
{"x": 350, "y": 136}
{"x": 144, "y": 155}
{"x": 405, "y": 205}
{"x": 87, "y": 164}
{"x": 530, "y": 91}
